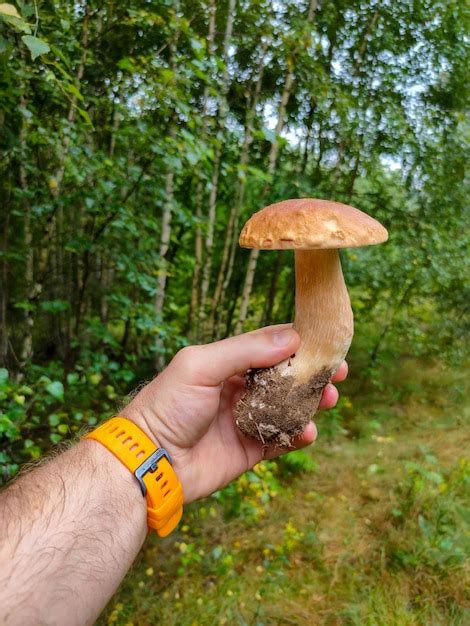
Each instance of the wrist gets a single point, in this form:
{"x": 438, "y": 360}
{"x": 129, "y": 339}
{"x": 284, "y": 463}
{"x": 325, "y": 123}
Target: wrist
{"x": 136, "y": 415}
{"x": 143, "y": 412}
{"x": 115, "y": 480}
{"x": 111, "y": 467}
{"x": 149, "y": 464}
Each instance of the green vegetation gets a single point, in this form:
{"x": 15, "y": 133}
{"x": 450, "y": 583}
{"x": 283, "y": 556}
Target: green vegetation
{"x": 364, "y": 529}
{"x": 135, "y": 139}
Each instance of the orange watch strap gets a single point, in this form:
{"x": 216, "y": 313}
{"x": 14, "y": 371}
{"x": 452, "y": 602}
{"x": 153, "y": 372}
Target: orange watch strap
{"x": 150, "y": 465}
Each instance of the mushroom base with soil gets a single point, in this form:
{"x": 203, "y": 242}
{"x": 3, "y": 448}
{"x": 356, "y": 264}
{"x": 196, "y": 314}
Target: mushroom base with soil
{"x": 280, "y": 401}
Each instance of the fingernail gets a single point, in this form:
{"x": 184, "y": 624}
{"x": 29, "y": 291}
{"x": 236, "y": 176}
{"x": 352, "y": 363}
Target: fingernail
{"x": 283, "y": 337}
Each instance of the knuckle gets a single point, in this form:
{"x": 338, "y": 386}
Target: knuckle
{"x": 186, "y": 356}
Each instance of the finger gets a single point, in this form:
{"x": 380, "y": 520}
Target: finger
{"x": 231, "y": 392}
{"x": 238, "y": 380}
{"x": 215, "y": 362}
{"x": 341, "y": 373}
{"x": 329, "y": 397}
{"x": 305, "y": 439}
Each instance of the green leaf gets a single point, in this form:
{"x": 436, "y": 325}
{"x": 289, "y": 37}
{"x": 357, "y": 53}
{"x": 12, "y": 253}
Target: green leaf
{"x": 269, "y": 134}
{"x": 25, "y": 305}
{"x": 55, "y": 306}
{"x": 85, "y": 115}
{"x": 56, "y": 389}
{"x": 126, "y": 64}
{"x": 27, "y": 9}
{"x": 10, "y": 10}
{"x": 110, "y": 392}
{"x": 3, "y": 375}
{"x": 54, "y": 420}
{"x": 10, "y": 15}
{"x": 95, "y": 379}
{"x": 72, "y": 378}
{"x": 26, "y": 113}
{"x": 34, "y": 452}
{"x": 36, "y": 46}
{"x": 73, "y": 90}
{"x": 3, "y": 44}
{"x": 60, "y": 66}
{"x": 7, "y": 427}
{"x": 63, "y": 429}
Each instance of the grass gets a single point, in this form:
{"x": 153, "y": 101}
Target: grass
{"x": 374, "y": 531}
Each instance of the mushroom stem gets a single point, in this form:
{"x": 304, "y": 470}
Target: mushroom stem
{"x": 323, "y": 315}
{"x": 279, "y": 401}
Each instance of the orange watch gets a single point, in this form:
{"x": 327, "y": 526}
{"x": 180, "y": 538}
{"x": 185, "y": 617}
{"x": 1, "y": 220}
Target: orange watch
{"x": 152, "y": 468}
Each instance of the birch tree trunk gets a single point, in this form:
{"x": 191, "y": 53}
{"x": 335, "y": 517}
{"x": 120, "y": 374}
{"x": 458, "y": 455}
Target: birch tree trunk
{"x": 106, "y": 270}
{"x": 366, "y": 37}
{"x": 4, "y": 286}
{"x": 223, "y": 111}
{"x": 167, "y": 215}
{"x": 26, "y": 352}
{"x": 268, "y": 310}
{"x": 35, "y": 288}
{"x": 230, "y": 242}
{"x": 194, "y": 314}
{"x": 163, "y": 250}
{"x": 309, "y": 126}
{"x": 193, "y": 322}
{"x": 273, "y": 154}
{"x": 166, "y": 218}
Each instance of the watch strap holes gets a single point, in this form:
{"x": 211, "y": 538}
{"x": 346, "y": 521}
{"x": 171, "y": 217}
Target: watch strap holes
{"x": 126, "y": 440}
{"x": 123, "y": 432}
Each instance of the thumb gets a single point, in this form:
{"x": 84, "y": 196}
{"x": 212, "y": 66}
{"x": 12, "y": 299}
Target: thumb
{"x": 213, "y": 363}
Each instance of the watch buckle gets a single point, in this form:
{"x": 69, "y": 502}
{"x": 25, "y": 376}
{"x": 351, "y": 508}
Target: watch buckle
{"x": 150, "y": 465}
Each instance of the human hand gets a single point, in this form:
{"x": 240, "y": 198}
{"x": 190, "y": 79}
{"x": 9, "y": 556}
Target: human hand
{"x": 188, "y": 408}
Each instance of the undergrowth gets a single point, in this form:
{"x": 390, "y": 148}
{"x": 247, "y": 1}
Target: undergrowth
{"x": 368, "y": 527}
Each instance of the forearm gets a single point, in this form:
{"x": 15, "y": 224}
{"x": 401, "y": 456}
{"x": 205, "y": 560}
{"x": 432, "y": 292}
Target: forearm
{"x": 70, "y": 530}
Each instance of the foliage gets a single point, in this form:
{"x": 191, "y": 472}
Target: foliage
{"x": 248, "y": 495}
{"x": 432, "y": 507}
{"x": 135, "y": 140}
{"x": 47, "y": 411}
{"x": 131, "y": 133}
{"x": 375, "y": 532}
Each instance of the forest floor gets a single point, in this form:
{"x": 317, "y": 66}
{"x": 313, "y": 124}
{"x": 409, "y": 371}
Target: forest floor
{"x": 373, "y": 533}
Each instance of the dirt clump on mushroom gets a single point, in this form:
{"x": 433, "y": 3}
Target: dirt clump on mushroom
{"x": 281, "y": 408}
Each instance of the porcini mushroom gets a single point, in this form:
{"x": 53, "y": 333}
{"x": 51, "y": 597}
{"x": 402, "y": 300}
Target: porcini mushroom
{"x": 279, "y": 401}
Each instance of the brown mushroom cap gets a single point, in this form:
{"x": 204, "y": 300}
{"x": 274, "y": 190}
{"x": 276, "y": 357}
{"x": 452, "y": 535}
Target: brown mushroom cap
{"x": 307, "y": 223}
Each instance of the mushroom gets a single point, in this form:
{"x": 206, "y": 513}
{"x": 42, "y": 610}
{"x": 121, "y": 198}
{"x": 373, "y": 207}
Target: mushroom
{"x": 279, "y": 401}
